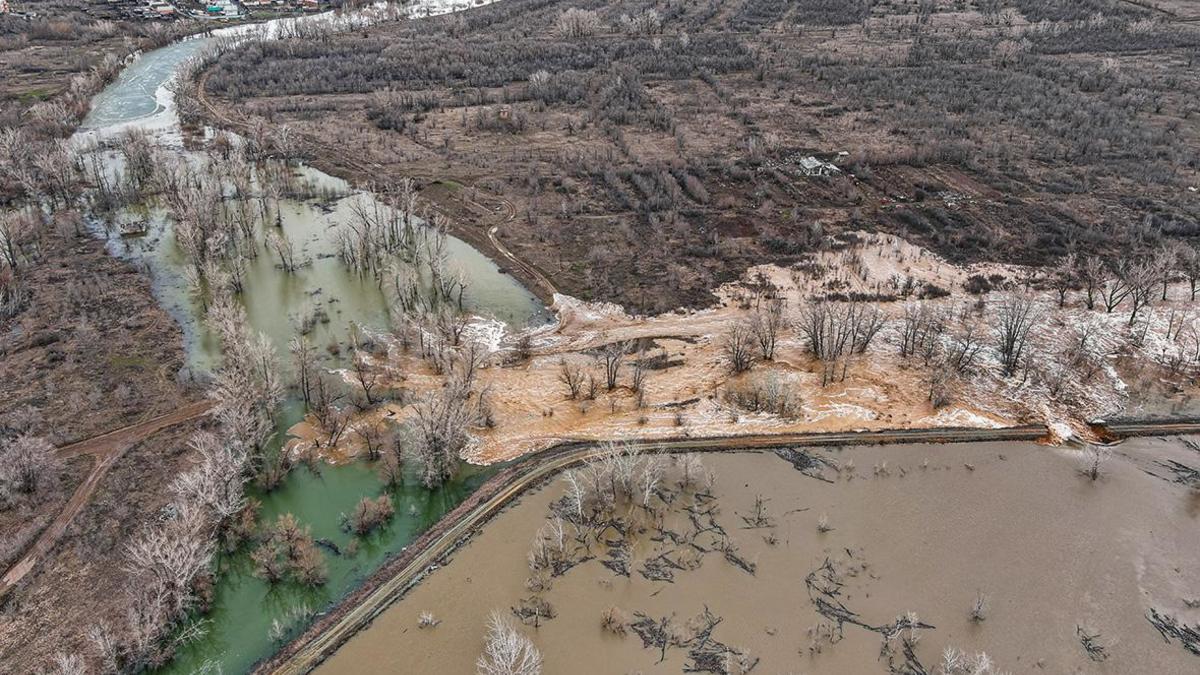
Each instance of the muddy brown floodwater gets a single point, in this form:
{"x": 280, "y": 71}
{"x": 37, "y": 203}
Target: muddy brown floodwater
{"x": 927, "y": 532}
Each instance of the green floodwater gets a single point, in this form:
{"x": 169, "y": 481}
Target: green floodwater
{"x": 275, "y": 301}
{"x": 237, "y": 632}
{"x": 238, "y": 629}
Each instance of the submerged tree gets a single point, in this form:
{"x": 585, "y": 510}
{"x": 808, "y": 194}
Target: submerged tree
{"x": 440, "y": 427}
{"x": 507, "y": 651}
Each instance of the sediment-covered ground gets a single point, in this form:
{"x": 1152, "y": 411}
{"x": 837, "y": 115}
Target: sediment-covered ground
{"x": 674, "y": 375}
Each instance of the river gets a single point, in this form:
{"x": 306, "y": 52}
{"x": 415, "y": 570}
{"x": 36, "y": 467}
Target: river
{"x": 238, "y": 630}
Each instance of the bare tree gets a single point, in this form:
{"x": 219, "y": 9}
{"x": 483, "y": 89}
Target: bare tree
{"x": 1115, "y": 286}
{"x": 325, "y": 407}
{"x": 1141, "y": 278}
{"x": 765, "y": 324}
{"x": 834, "y": 332}
{"x": 964, "y": 345}
{"x": 1189, "y": 264}
{"x": 373, "y": 435}
{"x": 366, "y": 375}
{"x": 916, "y": 328}
{"x": 941, "y": 387}
{"x": 391, "y": 465}
{"x": 507, "y": 651}
{"x": 29, "y": 467}
{"x": 284, "y": 249}
{"x": 613, "y": 355}
{"x": 577, "y": 23}
{"x": 572, "y": 376}
{"x": 18, "y": 235}
{"x": 162, "y": 560}
{"x": 1091, "y": 463}
{"x": 370, "y": 514}
{"x": 739, "y": 347}
{"x": 1093, "y": 274}
{"x": 1065, "y": 277}
{"x": 304, "y": 363}
{"x": 1014, "y": 321}
{"x": 638, "y": 381}
{"x": 1166, "y": 261}
{"x": 247, "y": 387}
{"x": 289, "y": 548}
{"x": 215, "y": 483}
{"x": 440, "y": 427}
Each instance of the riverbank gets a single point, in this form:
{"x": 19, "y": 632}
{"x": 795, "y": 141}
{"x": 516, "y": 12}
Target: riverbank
{"x": 466, "y": 218}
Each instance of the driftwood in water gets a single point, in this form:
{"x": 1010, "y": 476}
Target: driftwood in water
{"x": 618, "y": 559}
{"x": 1096, "y": 651}
{"x": 730, "y": 550}
{"x": 1169, "y": 627}
{"x": 758, "y": 517}
{"x": 705, "y": 654}
{"x": 328, "y": 545}
{"x": 533, "y": 609}
{"x": 1184, "y": 474}
{"x": 807, "y": 463}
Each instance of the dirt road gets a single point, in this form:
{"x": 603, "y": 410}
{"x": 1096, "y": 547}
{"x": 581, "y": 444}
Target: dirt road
{"x": 104, "y": 450}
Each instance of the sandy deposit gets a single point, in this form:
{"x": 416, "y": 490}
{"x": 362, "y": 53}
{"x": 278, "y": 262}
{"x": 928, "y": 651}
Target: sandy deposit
{"x": 688, "y": 397}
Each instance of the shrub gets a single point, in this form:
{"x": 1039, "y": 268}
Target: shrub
{"x": 371, "y": 514}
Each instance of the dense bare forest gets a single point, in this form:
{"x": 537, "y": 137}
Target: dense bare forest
{"x": 669, "y": 145}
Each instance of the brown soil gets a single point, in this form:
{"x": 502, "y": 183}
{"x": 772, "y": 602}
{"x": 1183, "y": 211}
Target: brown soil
{"x": 578, "y": 186}
{"x": 915, "y": 528}
{"x": 81, "y": 583}
{"x": 104, "y": 450}
{"x": 93, "y": 353}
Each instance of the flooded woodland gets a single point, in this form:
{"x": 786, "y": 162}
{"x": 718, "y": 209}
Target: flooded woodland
{"x": 369, "y": 380}
{"x": 320, "y": 298}
{"x": 842, "y": 559}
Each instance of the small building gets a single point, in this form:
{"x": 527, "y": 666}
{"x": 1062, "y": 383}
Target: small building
{"x": 4, "y": 7}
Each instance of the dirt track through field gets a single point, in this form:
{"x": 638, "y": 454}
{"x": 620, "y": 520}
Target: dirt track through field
{"x": 104, "y": 450}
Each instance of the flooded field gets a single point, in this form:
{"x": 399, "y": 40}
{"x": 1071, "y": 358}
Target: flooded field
{"x": 862, "y": 537}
